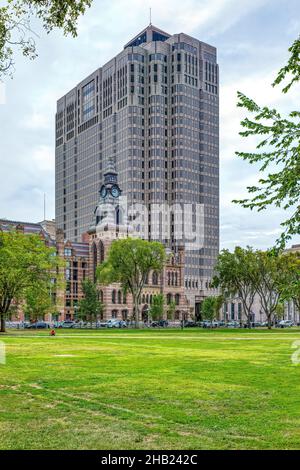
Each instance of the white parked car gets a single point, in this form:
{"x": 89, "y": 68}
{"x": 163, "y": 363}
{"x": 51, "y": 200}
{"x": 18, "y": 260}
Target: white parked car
{"x": 113, "y": 323}
{"x": 285, "y": 324}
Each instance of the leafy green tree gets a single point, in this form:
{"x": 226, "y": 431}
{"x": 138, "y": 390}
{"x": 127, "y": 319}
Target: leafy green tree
{"x": 157, "y": 307}
{"x": 234, "y": 273}
{"x": 278, "y": 151}
{"x": 25, "y": 263}
{"x": 129, "y": 262}
{"x": 89, "y": 306}
{"x": 290, "y": 282}
{"x": 171, "y": 307}
{"x": 210, "y": 307}
{"x": 38, "y": 302}
{"x": 16, "y": 31}
{"x": 279, "y": 311}
{"x": 267, "y": 279}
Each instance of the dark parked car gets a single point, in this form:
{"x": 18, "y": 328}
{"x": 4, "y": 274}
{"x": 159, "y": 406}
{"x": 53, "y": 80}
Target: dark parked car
{"x": 189, "y": 324}
{"x": 38, "y": 325}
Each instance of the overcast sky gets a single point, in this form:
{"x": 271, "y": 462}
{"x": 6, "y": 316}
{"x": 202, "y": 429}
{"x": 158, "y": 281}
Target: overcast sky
{"x": 252, "y": 38}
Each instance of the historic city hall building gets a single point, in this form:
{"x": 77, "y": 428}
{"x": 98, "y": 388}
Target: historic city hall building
{"x": 109, "y": 223}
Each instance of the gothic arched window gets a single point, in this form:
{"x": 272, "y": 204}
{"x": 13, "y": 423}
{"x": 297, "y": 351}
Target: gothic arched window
{"x": 101, "y": 252}
{"x": 114, "y": 314}
{"x": 155, "y": 279}
{"x": 94, "y": 260}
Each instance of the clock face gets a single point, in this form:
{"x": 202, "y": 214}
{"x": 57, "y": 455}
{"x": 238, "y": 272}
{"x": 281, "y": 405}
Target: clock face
{"x": 103, "y": 192}
{"x": 115, "y": 192}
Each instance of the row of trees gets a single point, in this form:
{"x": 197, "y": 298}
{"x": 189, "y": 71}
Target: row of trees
{"x": 30, "y": 276}
{"x": 246, "y": 273}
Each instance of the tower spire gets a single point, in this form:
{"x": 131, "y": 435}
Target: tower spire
{"x": 110, "y": 166}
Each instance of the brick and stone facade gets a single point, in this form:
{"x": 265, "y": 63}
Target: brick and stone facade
{"x": 82, "y": 258}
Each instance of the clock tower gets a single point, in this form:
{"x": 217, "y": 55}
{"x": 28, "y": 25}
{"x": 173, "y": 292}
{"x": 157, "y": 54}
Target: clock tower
{"x": 109, "y": 214}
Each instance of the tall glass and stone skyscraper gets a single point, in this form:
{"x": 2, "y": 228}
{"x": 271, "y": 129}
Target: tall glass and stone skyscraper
{"x": 154, "y": 108}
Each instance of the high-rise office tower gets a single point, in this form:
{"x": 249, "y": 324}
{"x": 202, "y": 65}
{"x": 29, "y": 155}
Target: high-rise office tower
{"x": 154, "y": 109}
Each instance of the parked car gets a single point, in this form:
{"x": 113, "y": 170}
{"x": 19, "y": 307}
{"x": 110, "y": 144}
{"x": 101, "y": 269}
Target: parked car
{"x": 233, "y": 324}
{"x": 113, "y": 323}
{"x": 210, "y": 324}
{"x": 67, "y": 324}
{"x": 101, "y": 324}
{"x": 285, "y": 324}
{"x": 189, "y": 324}
{"x": 38, "y": 325}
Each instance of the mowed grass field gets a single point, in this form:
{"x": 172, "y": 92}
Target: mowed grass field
{"x": 165, "y": 389}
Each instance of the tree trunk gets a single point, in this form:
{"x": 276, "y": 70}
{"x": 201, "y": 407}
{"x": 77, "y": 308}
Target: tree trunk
{"x": 269, "y": 322}
{"x": 2, "y": 323}
{"x": 136, "y": 313}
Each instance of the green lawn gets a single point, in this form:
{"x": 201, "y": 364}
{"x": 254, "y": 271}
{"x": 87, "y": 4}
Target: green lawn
{"x": 191, "y": 389}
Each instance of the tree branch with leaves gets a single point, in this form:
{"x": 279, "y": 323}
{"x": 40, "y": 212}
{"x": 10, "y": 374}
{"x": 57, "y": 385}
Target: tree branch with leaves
{"x": 277, "y": 153}
{"x": 16, "y": 33}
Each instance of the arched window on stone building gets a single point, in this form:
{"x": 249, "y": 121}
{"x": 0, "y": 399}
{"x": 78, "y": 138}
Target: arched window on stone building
{"x": 94, "y": 260}
{"x": 155, "y": 278}
{"x": 114, "y": 314}
{"x": 101, "y": 252}
{"x": 113, "y": 296}
{"x": 169, "y": 298}
{"x": 119, "y": 297}
{"x": 177, "y": 299}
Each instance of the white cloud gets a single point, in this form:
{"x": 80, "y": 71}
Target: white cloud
{"x": 43, "y": 159}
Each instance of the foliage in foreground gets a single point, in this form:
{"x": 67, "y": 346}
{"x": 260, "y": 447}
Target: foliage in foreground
{"x": 16, "y": 32}
{"x": 278, "y": 152}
